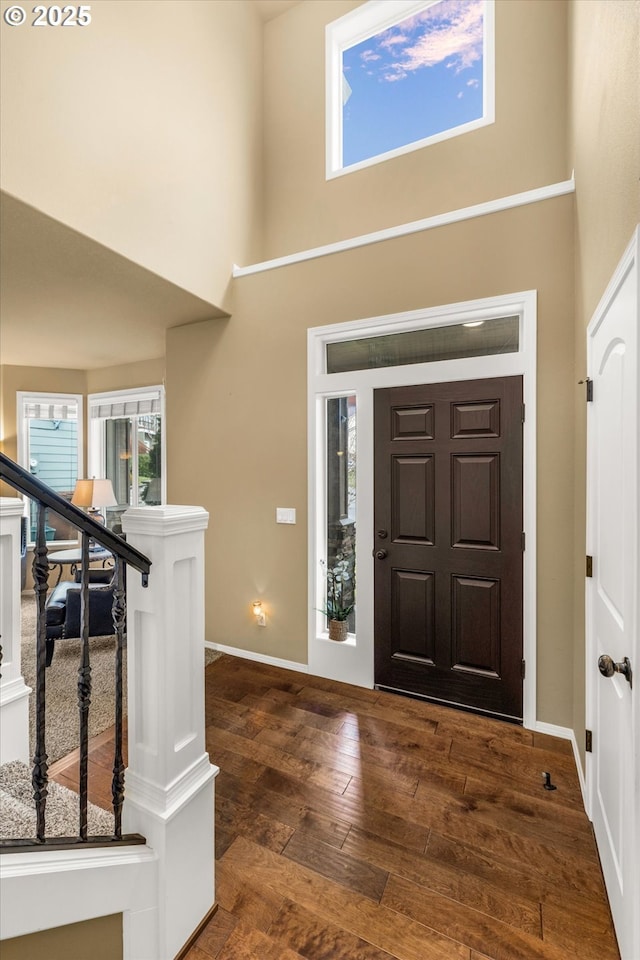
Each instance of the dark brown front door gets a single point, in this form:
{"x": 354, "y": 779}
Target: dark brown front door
{"x": 448, "y": 543}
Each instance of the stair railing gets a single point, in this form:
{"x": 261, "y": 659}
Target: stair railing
{"x": 123, "y": 554}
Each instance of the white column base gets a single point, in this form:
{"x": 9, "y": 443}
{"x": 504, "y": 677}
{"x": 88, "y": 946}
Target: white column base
{"x": 14, "y": 721}
{"x": 178, "y": 823}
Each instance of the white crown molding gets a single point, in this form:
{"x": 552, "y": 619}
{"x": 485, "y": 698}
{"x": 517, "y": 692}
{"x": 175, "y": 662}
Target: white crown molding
{"x": 164, "y": 521}
{"x": 415, "y": 226}
{"x": 11, "y": 506}
{"x": 166, "y": 802}
{"x": 13, "y": 690}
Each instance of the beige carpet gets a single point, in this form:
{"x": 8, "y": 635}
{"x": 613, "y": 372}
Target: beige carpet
{"x": 62, "y": 718}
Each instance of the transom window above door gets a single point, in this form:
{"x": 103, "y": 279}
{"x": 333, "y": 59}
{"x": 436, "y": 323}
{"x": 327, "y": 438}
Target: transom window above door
{"x": 403, "y": 74}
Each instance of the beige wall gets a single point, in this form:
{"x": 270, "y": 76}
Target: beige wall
{"x": 237, "y": 419}
{"x": 100, "y": 939}
{"x": 525, "y": 148}
{"x": 604, "y": 147}
{"x": 143, "y": 131}
{"x": 146, "y": 373}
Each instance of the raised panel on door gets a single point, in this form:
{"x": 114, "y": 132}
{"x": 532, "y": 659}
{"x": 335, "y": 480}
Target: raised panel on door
{"x": 475, "y": 631}
{"x": 448, "y": 489}
{"x": 412, "y": 500}
{"x": 412, "y": 599}
{"x": 475, "y": 516}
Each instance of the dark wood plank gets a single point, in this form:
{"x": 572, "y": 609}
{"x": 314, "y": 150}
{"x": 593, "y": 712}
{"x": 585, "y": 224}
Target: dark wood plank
{"x": 318, "y": 939}
{"x": 400, "y": 935}
{"x": 350, "y": 872}
{"x": 587, "y": 934}
{"x": 448, "y": 881}
{"x": 476, "y": 930}
{"x": 215, "y": 934}
{"x": 237, "y": 895}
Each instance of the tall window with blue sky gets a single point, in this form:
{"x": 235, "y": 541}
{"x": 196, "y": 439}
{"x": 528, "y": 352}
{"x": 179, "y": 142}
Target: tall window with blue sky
{"x": 414, "y": 80}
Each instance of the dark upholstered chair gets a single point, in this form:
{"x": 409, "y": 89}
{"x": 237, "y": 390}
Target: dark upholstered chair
{"x": 63, "y": 609}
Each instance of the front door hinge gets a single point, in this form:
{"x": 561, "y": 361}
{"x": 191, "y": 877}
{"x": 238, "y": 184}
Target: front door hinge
{"x": 523, "y": 668}
{"x": 588, "y": 741}
{"x": 589, "y": 566}
{"x": 523, "y": 540}
{"x": 524, "y": 412}
{"x": 589, "y": 385}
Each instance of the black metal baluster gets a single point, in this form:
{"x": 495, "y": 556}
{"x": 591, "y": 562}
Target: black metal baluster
{"x": 84, "y": 686}
{"x": 119, "y": 621}
{"x": 41, "y": 582}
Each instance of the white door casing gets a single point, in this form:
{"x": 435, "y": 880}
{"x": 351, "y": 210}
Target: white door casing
{"x": 352, "y": 662}
{"x": 613, "y": 489}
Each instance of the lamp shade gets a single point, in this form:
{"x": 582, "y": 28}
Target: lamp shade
{"x": 94, "y": 493}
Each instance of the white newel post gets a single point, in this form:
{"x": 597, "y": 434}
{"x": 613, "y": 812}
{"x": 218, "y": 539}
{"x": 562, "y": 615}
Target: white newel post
{"x": 14, "y": 694}
{"x": 169, "y": 783}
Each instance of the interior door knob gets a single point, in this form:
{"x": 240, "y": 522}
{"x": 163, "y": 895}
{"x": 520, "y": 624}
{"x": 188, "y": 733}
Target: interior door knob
{"x": 381, "y": 554}
{"x": 607, "y": 667}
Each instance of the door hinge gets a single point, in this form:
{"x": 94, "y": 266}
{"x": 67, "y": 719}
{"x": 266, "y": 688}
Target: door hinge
{"x": 588, "y": 741}
{"x": 523, "y": 668}
{"x": 589, "y": 566}
{"x": 523, "y": 540}
{"x": 524, "y": 411}
{"x": 589, "y": 385}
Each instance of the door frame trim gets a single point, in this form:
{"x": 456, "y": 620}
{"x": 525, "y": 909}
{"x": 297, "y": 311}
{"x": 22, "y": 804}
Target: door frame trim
{"x": 352, "y": 661}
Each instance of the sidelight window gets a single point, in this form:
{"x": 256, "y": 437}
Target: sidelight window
{"x": 341, "y": 504}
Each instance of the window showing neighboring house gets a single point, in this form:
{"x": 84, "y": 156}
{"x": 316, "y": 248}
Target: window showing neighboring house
{"x": 402, "y": 74}
{"x": 50, "y": 447}
{"x": 126, "y": 445}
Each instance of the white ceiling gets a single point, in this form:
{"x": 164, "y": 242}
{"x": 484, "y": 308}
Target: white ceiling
{"x": 66, "y": 301}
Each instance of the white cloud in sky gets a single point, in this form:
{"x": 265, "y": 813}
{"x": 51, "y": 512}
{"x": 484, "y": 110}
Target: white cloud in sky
{"x": 474, "y": 82}
{"x": 368, "y": 56}
{"x": 460, "y": 95}
{"x": 450, "y": 30}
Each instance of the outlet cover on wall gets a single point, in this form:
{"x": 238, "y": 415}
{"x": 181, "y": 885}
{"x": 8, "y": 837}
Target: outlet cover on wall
{"x": 285, "y": 515}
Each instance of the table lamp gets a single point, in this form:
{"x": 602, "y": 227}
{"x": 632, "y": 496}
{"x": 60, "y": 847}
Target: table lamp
{"x": 94, "y": 494}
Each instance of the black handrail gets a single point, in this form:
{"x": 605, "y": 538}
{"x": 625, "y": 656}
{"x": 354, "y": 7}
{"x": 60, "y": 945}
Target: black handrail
{"x": 25, "y": 483}
{"x": 122, "y": 553}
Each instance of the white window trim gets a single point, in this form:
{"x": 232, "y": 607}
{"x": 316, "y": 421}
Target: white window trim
{"x": 353, "y": 661}
{"x": 96, "y": 452}
{"x": 26, "y": 396}
{"x": 364, "y": 22}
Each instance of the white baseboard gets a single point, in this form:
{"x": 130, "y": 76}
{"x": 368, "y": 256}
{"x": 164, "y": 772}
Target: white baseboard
{"x": 566, "y": 733}
{"x": 258, "y": 657}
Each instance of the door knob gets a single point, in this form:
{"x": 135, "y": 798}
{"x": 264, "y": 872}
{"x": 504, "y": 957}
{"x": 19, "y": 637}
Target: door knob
{"x": 381, "y": 554}
{"x": 607, "y": 667}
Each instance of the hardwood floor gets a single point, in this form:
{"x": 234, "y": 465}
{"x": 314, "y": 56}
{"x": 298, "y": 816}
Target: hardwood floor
{"x": 358, "y": 825}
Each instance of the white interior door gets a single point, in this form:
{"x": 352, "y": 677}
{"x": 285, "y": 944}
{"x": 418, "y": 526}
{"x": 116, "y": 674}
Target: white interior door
{"x": 612, "y": 596}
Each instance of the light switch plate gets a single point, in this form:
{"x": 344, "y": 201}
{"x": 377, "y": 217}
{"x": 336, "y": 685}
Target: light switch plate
{"x": 285, "y": 515}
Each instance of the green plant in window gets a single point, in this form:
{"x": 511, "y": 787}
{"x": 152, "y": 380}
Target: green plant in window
{"x": 339, "y": 580}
